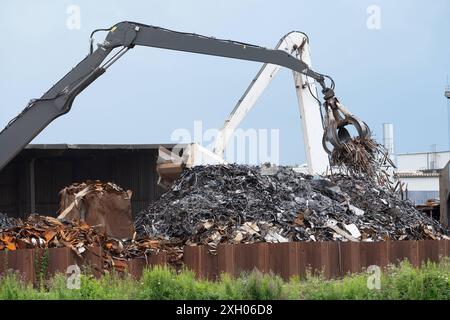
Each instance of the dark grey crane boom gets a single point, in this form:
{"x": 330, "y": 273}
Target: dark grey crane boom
{"x": 125, "y": 35}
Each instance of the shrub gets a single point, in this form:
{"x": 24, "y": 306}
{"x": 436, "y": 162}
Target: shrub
{"x": 158, "y": 284}
{"x": 13, "y": 288}
{"x": 259, "y": 286}
{"x": 430, "y": 281}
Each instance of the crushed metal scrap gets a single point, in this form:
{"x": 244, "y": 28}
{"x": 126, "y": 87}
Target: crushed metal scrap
{"x": 101, "y": 204}
{"x": 6, "y": 221}
{"x": 363, "y": 157}
{"x": 48, "y": 232}
{"x": 245, "y": 204}
{"x": 121, "y": 251}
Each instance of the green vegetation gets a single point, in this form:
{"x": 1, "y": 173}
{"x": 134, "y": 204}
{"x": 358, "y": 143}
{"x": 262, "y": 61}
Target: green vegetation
{"x": 430, "y": 281}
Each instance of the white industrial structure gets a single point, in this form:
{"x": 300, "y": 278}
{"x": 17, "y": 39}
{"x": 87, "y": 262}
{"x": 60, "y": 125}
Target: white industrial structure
{"x": 423, "y": 161}
{"x": 419, "y": 172}
{"x": 388, "y": 138}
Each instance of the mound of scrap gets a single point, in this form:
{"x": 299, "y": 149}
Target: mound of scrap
{"x": 363, "y": 157}
{"x": 6, "y": 221}
{"x": 92, "y": 214}
{"x": 47, "y": 232}
{"x": 247, "y": 204}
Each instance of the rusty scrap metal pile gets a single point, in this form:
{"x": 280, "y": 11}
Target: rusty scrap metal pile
{"x": 363, "y": 157}
{"x": 246, "y": 204}
{"x": 48, "y": 232}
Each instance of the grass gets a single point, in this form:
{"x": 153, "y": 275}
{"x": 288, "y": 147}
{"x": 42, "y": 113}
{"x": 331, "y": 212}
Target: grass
{"x": 430, "y": 281}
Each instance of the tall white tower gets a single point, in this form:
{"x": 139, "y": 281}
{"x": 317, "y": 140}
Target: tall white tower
{"x": 388, "y": 138}
{"x": 388, "y": 143}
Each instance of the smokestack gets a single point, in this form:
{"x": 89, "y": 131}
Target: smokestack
{"x": 388, "y": 138}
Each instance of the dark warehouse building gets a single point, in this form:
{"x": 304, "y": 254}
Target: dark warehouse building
{"x": 31, "y": 182}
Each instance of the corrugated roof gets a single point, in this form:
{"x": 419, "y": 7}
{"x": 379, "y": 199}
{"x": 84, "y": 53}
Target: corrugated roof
{"x": 65, "y": 146}
{"x": 418, "y": 153}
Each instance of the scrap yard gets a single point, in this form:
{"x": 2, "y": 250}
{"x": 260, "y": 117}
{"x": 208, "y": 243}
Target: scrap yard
{"x": 222, "y": 204}
{"x": 244, "y": 204}
{"x": 147, "y": 199}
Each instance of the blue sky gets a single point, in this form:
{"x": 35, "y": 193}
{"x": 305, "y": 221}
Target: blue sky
{"x": 396, "y": 74}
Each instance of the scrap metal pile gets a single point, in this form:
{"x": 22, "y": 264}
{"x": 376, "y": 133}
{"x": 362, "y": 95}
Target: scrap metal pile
{"x": 233, "y": 204}
{"x": 363, "y": 157}
{"x": 246, "y": 204}
{"x": 48, "y": 232}
{"x": 6, "y": 222}
{"x": 102, "y": 204}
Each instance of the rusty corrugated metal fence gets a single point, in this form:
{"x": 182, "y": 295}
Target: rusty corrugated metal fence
{"x": 332, "y": 259}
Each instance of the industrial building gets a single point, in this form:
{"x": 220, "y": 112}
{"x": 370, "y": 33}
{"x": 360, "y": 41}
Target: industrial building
{"x": 31, "y": 182}
{"x": 419, "y": 174}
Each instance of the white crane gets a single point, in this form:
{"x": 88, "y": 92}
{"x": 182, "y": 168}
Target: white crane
{"x": 321, "y": 132}
{"x": 297, "y": 44}
{"x": 292, "y": 52}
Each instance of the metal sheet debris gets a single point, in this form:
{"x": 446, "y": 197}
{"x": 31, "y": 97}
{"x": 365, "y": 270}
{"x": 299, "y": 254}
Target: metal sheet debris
{"x": 353, "y": 229}
{"x": 356, "y": 210}
{"x": 48, "y": 232}
{"x": 363, "y": 157}
{"x": 101, "y": 204}
{"x": 6, "y": 221}
{"x": 242, "y": 204}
